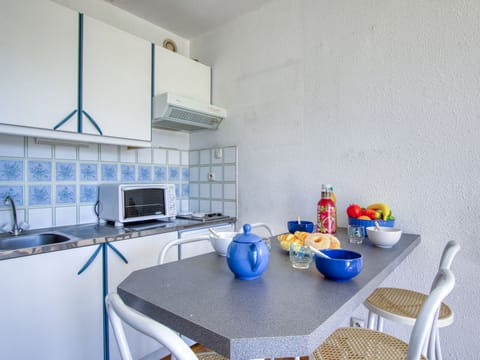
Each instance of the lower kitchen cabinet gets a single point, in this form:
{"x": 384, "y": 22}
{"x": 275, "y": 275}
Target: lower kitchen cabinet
{"x": 47, "y": 311}
{"x": 140, "y": 253}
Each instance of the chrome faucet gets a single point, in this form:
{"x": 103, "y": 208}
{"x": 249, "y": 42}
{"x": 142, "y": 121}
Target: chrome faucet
{"x": 15, "y": 228}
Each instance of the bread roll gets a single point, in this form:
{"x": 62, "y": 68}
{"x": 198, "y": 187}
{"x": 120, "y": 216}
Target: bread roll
{"x": 322, "y": 241}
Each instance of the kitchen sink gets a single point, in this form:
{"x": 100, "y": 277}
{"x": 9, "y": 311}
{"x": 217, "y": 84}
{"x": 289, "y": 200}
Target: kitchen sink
{"x": 33, "y": 240}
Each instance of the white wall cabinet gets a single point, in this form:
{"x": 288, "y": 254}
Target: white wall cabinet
{"x": 38, "y": 63}
{"x": 117, "y": 81}
{"x": 140, "y": 252}
{"x": 180, "y": 75}
{"x": 48, "y": 311}
{"x": 40, "y": 76}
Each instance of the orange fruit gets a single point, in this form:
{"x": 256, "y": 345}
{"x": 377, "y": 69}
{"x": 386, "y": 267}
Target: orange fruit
{"x": 363, "y": 217}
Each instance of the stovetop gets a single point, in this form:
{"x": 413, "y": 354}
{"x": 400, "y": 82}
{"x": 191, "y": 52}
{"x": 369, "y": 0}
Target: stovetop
{"x": 202, "y": 216}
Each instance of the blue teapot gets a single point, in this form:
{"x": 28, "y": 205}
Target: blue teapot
{"x": 247, "y": 255}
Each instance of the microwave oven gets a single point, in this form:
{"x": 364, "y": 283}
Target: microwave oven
{"x": 124, "y": 203}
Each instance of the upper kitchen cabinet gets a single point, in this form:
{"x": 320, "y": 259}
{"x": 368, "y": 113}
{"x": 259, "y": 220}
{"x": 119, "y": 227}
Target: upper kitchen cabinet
{"x": 67, "y": 76}
{"x": 117, "y": 82}
{"x": 182, "y": 76}
{"x": 38, "y": 64}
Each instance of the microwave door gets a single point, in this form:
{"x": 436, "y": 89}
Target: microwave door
{"x": 144, "y": 202}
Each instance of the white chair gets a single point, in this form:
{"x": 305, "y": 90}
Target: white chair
{"x": 402, "y": 306}
{"x": 358, "y": 343}
{"x": 119, "y": 313}
{"x": 182, "y": 241}
{"x": 178, "y": 242}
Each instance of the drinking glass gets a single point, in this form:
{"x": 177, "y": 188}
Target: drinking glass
{"x": 300, "y": 256}
{"x": 356, "y": 234}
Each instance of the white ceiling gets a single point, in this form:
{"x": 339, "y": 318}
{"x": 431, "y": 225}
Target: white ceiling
{"x": 188, "y": 18}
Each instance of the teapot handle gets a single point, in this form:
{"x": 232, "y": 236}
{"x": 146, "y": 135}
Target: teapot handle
{"x": 253, "y": 257}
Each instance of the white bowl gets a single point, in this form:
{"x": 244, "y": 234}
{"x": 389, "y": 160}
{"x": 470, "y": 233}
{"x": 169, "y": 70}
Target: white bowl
{"x": 220, "y": 243}
{"x": 386, "y": 237}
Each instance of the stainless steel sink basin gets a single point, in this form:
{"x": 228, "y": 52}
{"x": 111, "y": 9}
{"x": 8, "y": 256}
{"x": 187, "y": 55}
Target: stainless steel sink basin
{"x": 32, "y": 240}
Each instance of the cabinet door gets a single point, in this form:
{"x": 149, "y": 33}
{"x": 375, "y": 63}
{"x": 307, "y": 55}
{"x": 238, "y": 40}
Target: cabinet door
{"x": 48, "y": 311}
{"x": 116, "y": 81}
{"x": 140, "y": 252}
{"x": 180, "y": 75}
{"x": 38, "y": 63}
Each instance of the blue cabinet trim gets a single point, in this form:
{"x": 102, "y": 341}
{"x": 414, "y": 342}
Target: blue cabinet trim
{"x": 104, "y": 248}
{"x": 79, "y": 111}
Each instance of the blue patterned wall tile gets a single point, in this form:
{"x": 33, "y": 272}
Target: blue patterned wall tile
{"x": 15, "y": 192}
{"x": 65, "y": 194}
{"x": 40, "y": 195}
{"x": 109, "y": 172}
{"x": 185, "y": 174}
{"x": 160, "y": 173}
{"x": 88, "y": 193}
{"x": 11, "y": 170}
{"x": 185, "y": 190}
{"x": 88, "y": 172}
{"x": 127, "y": 172}
{"x": 65, "y": 171}
{"x": 39, "y": 170}
{"x": 174, "y": 173}
{"x": 144, "y": 173}
{"x": 177, "y": 190}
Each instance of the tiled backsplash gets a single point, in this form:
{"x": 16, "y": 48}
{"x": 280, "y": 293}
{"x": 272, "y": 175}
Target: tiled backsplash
{"x": 213, "y": 180}
{"x": 55, "y": 185}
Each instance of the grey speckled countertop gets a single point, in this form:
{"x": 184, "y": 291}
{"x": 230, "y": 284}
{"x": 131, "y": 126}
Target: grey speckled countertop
{"x": 91, "y": 234}
{"x": 285, "y": 313}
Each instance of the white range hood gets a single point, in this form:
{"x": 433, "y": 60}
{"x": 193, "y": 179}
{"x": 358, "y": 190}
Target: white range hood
{"x": 174, "y": 112}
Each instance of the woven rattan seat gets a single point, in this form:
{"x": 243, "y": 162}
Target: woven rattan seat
{"x": 366, "y": 344}
{"x": 356, "y": 343}
{"x": 403, "y": 305}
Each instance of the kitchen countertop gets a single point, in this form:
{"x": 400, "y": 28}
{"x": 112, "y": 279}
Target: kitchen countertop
{"x": 91, "y": 234}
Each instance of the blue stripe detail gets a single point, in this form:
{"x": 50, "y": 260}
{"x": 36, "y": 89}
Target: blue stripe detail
{"x": 65, "y": 120}
{"x": 104, "y": 247}
{"x": 106, "y": 330}
{"x": 93, "y": 122}
{"x": 90, "y": 260}
{"x": 152, "y": 82}
{"x": 79, "y": 111}
{"x": 116, "y": 251}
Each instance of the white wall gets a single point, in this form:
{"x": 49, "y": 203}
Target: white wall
{"x": 378, "y": 98}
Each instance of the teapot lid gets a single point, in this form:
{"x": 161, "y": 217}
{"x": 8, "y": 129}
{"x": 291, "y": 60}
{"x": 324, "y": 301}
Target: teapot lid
{"x": 247, "y": 236}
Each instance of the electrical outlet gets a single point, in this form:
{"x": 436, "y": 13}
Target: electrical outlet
{"x": 357, "y": 322}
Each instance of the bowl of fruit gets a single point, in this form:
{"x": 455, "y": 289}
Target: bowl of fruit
{"x": 366, "y": 217}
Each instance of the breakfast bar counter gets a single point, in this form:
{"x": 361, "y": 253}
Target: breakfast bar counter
{"x": 287, "y": 312}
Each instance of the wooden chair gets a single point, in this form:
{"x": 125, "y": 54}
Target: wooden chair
{"x": 358, "y": 343}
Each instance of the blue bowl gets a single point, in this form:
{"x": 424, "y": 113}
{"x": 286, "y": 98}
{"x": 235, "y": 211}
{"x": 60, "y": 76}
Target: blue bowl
{"x": 367, "y": 223}
{"x": 306, "y": 226}
{"x": 344, "y": 265}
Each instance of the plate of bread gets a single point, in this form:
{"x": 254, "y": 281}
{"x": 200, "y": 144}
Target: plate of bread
{"x": 317, "y": 240}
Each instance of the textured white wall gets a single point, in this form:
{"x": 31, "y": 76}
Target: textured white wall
{"x": 379, "y": 98}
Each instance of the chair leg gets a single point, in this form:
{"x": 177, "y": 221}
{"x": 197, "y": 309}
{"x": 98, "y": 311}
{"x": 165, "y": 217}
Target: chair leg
{"x": 371, "y": 320}
{"x": 379, "y": 323}
{"x": 438, "y": 349}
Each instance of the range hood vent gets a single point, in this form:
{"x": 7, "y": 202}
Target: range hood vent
{"x": 174, "y": 112}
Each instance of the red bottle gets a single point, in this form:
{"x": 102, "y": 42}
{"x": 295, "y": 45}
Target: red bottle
{"x": 326, "y": 212}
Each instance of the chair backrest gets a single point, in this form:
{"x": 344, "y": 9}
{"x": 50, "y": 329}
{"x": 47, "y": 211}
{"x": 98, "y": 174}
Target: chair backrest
{"x": 177, "y": 242}
{"x": 442, "y": 285}
{"x": 118, "y": 313}
{"x": 449, "y": 252}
